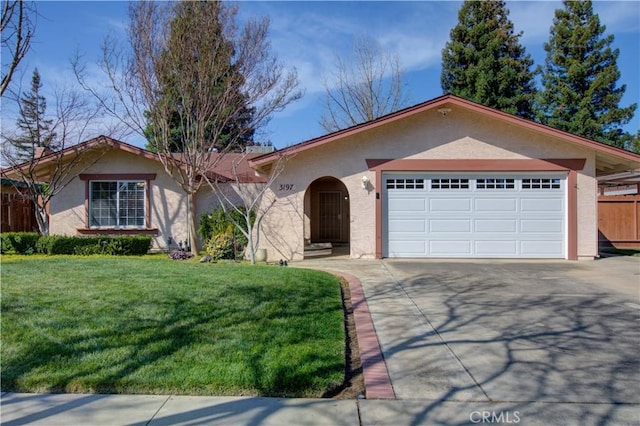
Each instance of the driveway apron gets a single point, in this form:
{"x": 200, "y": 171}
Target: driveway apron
{"x": 521, "y": 331}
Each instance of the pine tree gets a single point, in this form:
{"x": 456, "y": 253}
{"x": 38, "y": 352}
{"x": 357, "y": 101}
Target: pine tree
{"x": 484, "y": 61}
{"x": 237, "y": 131}
{"x": 34, "y": 129}
{"x": 579, "y": 78}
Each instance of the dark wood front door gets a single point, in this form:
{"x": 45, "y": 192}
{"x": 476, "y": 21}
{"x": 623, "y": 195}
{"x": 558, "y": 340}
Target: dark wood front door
{"x": 330, "y": 216}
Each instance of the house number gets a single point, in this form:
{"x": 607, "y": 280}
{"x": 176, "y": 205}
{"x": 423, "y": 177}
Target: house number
{"x": 286, "y": 187}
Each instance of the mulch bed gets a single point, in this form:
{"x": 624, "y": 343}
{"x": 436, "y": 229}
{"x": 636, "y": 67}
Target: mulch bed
{"x": 353, "y": 385}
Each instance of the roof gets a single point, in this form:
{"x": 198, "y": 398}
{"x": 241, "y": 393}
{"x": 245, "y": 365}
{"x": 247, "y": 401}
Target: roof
{"x": 223, "y": 166}
{"x": 610, "y": 159}
{"x": 11, "y": 182}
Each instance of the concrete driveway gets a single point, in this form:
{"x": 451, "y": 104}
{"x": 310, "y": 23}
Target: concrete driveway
{"x": 543, "y": 341}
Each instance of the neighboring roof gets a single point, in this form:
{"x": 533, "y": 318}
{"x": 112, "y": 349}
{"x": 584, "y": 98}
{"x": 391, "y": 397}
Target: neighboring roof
{"x": 611, "y": 159}
{"x": 14, "y": 183}
{"x": 223, "y": 168}
{"x": 234, "y": 164}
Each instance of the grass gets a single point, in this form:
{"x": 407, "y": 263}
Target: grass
{"x": 150, "y": 325}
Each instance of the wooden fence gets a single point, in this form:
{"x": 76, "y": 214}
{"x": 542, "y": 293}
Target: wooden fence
{"x": 619, "y": 221}
{"x": 17, "y": 214}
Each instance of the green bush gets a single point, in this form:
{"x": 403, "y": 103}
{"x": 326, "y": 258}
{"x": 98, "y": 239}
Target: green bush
{"x": 62, "y": 244}
{"x": 117, "y": 246}
{"x": 20, "y": 242}
{"x": 218, "y": 222}
{"x": 222, "y": 245}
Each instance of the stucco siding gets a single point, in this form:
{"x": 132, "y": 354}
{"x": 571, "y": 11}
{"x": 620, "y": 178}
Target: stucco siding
{"x": 167, "y": 201}
{"x": 462, "y": 134}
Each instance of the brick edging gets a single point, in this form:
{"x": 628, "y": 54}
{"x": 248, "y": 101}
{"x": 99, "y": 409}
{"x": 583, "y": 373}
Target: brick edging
{"x": 374, "y": 369}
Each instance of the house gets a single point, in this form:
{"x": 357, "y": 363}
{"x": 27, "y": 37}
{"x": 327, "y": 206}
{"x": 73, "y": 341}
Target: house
{"x": 119, "y": 189}
{"x": 444, "y": 178}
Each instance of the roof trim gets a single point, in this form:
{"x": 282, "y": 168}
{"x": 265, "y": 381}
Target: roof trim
{"x": 439, "y": 102}
{"x": 101, "y": 140}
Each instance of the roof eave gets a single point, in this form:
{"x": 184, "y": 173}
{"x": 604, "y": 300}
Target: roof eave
{"x": 439, "y": 102}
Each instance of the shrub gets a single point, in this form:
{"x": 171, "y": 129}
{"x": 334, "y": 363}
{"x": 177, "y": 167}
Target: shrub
{"x": 218, "y": 222}
{"x": 222, "y": 245}
{"x": 118, "y": 246}
{"x": 20, "y": 242}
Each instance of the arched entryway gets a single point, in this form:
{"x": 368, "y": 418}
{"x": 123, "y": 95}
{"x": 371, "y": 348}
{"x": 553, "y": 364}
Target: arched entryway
{"x": 327, "y": 216}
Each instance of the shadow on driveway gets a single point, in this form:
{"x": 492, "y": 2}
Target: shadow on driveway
{"x": 510, "y": 335}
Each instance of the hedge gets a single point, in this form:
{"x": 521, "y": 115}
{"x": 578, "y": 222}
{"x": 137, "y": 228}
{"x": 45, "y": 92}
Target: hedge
{"x": 19, "y": 242}
{"x": 28, "y": 243}
{"x": 117, "y": 246}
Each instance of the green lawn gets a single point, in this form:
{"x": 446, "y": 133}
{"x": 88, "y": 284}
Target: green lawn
{"x": 156, "y": 326}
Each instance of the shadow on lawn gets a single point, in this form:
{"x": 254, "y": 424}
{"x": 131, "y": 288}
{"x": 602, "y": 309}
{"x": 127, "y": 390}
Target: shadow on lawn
{"x": 532, "y": 343}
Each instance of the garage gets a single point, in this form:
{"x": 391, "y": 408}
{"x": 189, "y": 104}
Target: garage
{"x": 488, "y": 215}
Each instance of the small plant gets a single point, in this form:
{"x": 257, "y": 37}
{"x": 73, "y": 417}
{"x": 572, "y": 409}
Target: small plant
{"x": 222, "y": 245}
{"x": 180, "y": 255}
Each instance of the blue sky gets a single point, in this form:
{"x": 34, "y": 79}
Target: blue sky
{"x": 306, "y": 35}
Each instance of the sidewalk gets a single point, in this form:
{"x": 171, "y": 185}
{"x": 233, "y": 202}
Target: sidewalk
{"x": 139, "y": 410}
{"x": 143, "y": 410}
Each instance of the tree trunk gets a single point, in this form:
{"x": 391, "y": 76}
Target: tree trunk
{"x": 42, "y": 219}
{"x": 250, "y": 246}
{"x": 193, "y": 239}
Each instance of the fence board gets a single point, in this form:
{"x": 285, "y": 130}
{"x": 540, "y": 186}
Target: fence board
{"x": 17, "y": 214}
{"x": 619, "y": 221}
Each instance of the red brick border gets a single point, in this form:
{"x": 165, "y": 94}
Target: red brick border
{"x": 374, "y": 369}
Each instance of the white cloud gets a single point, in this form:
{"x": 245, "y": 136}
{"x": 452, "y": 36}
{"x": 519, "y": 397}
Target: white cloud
{"x": 533, "y": 18}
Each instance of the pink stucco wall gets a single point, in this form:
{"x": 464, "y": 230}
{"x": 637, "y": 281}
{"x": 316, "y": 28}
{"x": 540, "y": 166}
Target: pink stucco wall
{"x": 462, "y": 134}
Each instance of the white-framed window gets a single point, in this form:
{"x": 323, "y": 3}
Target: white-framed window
{"x": 541, "y": 183}
{"x": 456, "y": 183}
{"x": 495, "y": 183}
{"x": 405, "y": 183}
{"x": 117, "y": 204}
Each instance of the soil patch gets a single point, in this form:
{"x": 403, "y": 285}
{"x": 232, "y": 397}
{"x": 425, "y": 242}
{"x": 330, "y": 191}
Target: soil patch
{"x": 353, "y": 385}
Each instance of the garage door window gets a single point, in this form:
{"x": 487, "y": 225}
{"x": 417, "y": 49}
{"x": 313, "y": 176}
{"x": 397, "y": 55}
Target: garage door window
{"x": 541, "y": 183}
{"x": 495, "y": 183}
{"x": 405, "y": 183}
{"x": 449, "y": 183}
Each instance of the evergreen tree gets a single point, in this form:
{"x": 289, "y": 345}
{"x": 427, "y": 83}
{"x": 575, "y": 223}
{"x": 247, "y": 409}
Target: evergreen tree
{"x": 237, "y": 131}
{"x": 484, "y": 61}
{"x": 34, "y": 129}
{"x": 579, "y": 78}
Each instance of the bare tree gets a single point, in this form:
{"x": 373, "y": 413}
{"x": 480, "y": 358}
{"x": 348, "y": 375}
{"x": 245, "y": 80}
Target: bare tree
{"x": 364, "y": 87}
{"x": 17, "y": 28}
{"x": 190, "y": 59}
{"x": 48, "y": 171}
{"x": 255, "y": 202}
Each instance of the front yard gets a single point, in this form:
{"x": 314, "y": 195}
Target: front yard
{"x": 157, "y": 326}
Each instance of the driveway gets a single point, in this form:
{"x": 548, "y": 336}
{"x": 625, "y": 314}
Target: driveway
{"x": 554, "y": 341}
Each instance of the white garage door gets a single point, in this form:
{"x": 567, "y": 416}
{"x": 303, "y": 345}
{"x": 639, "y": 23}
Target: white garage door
{"x": 488, "y": 215}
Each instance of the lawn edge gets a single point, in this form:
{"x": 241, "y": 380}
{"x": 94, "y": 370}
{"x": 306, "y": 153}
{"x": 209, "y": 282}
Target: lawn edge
{"x": 374, "y": 368}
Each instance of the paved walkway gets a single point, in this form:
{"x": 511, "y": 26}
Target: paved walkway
{"x": 448, "y": 396}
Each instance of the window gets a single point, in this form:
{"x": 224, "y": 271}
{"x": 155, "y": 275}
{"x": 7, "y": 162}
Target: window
{"x": 540, "y": 183}
{"x": 405, "y": 183}
{"x": 117, "y": 204}
{"x": 449, "y": 183}
{"x": 495, "y": 183}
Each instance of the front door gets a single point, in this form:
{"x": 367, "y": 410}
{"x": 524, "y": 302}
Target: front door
{"x": 330, "y": 216}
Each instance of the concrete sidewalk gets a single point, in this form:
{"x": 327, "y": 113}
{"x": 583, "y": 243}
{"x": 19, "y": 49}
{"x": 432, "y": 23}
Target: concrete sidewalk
{"x": 152, "y": 410}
